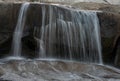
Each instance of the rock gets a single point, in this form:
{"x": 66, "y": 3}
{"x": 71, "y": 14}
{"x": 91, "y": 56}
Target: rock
{"x": 117, "y": 51}
{"x": 1, "y": 71}
{"x": 116, "y": 2}
{"x": 97, "y": 6}
{"x": 5, "y": 28}
{"x": 46, "y": 70}
{"x": 110, "y": 29}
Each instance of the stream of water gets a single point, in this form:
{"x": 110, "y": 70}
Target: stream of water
{"x": 65, "y": 36}
{"x": 77, "y": 37}
{"x": 17, "y": 36}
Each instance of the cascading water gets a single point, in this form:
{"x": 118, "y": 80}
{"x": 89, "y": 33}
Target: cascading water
{"x": 89, "y": 31}
{"x": 41, "y": 44}
{"x": 63, "y": 35}
{"x": 66, "y": 34}
{"x": 76, "y": 33}
{"x": 16, "y": 49}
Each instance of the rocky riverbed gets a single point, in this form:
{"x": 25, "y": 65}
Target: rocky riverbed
{"x": 56, "y": 70}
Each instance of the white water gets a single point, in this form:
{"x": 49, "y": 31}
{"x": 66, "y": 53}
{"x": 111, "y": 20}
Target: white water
{"x": 88, "y": 24}
{"x": 68, "y": 34}
{"x": 17, "y": 36}
{"x": 41, "y": 44}
{"x": 78, "y": 37}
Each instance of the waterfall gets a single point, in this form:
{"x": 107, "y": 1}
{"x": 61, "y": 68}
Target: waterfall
{"x": 70, "y": 35}
{"x": 16, "y": 47}
{"x": 41, "y": 44}
{"x": 64, "y": 34}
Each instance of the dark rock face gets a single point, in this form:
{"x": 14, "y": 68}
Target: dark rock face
{"x": 110, "y": 32}
{"x": 117, "y": 52}
{"x": 109, "y": 22}
{"x": 6, "y": 27}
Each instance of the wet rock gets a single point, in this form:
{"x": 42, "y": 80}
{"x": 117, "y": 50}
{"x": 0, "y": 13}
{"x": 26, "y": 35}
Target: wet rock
{"x": 117, "y": 51}
{"x": 5, "y": 80}
{"x": 5, "y": 28}
{"x": 58, "y": 70}
{"x": 1, "y": 71}
{"x": 110, "y": 29}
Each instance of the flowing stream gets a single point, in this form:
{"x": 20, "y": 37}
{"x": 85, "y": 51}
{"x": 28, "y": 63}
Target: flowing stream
{"x": 17, "y": 36}
{"x": 79, "y": 37}
{"x": 73, "y": 35}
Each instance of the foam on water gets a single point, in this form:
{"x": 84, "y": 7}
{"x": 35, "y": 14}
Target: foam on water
{"x": 14, "y": 58}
